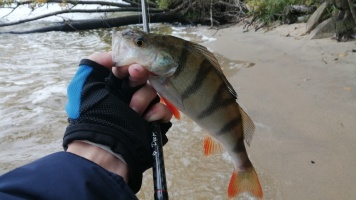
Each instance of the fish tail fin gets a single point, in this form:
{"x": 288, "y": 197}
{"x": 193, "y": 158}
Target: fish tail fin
{"x": 171, "y": 107}
{"x": 246, "y": 181}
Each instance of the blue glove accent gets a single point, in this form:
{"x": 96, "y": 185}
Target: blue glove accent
{"x": 74, "y": 91}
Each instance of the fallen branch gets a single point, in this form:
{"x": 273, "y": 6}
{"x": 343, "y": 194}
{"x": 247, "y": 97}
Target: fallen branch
{"x": 217, "y": 12}
{"x": 238, "y": 5}
{"x": 74, "y": 2}
{"x": 248, "y": 24}
{"x": 78, "y": 11}
{"x": 149, "y": 3}
{"x": 299, "y": 9}
{"x": 78, "y": 25}
{"x": 13, "y": 9}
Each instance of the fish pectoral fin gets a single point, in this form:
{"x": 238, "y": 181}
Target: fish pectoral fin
{"x": 212, "y": 146}
{"x": 248, "y": 126}
{"x": 171, "y": 107}
{"x": 246, "y": 181}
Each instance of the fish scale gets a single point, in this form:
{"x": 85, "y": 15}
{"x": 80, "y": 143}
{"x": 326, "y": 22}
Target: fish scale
{"x": 188, "y": 78}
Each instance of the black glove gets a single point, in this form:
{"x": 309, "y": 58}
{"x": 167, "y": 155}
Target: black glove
{"x": 98, "y": 110}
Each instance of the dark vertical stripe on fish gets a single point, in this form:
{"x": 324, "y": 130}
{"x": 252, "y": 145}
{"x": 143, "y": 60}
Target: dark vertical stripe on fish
{"x": 217, "y": 102}
{"x": 204, "y": 69}
{"x": 240, "y": 146}
{"x": 230, "y": 125}
{"x": 182, "y": 59}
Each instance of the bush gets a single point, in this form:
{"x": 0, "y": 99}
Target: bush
{"x": 270, "y": 10}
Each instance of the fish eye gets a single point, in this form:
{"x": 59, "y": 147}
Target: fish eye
{"x": 139, "y": 42}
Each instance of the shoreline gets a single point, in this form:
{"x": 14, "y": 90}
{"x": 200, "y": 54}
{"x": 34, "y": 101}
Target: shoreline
{"x": 301, "y": 95}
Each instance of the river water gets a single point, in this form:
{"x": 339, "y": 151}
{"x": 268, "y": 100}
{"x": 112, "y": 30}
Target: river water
{"x": 35, "y": 70}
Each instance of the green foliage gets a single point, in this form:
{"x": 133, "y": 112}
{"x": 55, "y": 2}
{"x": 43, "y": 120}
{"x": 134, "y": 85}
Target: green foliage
{"x": 5, "y": 2}
{"x": 163, "y": 4}
{"x": 270, "y": 10}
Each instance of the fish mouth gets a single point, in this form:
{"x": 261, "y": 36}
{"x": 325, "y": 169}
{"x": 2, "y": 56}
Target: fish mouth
{"x": 116, "y": 44}
{"x": 152, "y": 74}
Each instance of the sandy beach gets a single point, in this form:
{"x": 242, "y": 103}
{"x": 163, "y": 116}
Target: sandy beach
{"x": 301, "y": 93}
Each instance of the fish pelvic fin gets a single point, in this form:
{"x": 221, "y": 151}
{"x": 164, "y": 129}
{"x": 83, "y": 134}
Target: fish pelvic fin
{"x": 246, "y": 181}
{"x": 212, "y": 146}
{"x": 171, "y": 107}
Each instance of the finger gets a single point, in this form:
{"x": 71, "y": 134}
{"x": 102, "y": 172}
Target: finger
{"x": 158, "y": 112}
{"x": 102, "y": 58}
{"x": 121, "y": 72}
{"x": 142, "y": 98}
{"x": 138, "y": 75}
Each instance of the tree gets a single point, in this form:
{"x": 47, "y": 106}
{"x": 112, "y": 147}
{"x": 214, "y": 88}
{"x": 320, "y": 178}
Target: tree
{"x": 214, "y": 12}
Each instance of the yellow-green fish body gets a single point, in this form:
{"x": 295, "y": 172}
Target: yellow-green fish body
{"x": 189, "y": 77}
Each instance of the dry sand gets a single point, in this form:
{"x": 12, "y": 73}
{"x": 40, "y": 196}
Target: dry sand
{"x": 301, "y": 94}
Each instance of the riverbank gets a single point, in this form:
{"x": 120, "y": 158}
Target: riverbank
{"x": 301, "y": 93}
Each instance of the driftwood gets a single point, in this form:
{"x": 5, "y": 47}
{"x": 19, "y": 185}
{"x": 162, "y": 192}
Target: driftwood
{"x": 78, "y": 25}
{"x": 292, "y": 12}
{"x": 300, "y": 9}
{"x": 214, "y": 12}
{"x": 156, "y": 15}
{"x": 74, "y": 2}
{"x": 133, "y": 9}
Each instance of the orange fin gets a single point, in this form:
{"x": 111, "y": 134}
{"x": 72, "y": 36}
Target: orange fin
{"x": 211, "y": 146}
{"x": 246, "y": 181}
{"x": 171, "y": 107}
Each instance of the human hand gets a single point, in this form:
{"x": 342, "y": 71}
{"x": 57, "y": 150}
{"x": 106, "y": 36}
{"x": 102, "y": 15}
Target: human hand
{"x": 113, "y": 109}
{"x": 137, "y": 76}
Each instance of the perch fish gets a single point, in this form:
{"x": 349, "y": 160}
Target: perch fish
{"x": 189, "y": 79}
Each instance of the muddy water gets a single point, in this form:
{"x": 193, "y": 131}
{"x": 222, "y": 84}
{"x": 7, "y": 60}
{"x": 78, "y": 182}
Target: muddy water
{"x": 34, "y": 72}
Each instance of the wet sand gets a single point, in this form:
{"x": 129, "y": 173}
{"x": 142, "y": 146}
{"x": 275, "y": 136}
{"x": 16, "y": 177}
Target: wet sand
{"x": 301, "y": 94}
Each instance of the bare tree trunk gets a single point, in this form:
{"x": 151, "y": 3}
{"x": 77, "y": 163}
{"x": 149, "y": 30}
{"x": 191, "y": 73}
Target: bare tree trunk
{"x": 78, "y": 25}
{"x": 197, "y": 11}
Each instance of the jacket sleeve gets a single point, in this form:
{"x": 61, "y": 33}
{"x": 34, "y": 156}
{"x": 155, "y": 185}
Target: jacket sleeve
{"x": 64, "y": 176}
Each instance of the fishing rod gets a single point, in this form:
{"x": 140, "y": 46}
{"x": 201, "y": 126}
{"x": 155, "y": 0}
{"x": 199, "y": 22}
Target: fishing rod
{"x": 144, "y": 17}
{"x": 159, "y": 173}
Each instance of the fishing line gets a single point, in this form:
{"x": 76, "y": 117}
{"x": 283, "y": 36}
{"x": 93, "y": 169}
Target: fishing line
{"x": 144, "y": 17}
{"x": 148, "y": 14}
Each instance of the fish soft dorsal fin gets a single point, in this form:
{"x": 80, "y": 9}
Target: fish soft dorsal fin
{"x": 212, "y": 59}
{"x": 248, "y": 126}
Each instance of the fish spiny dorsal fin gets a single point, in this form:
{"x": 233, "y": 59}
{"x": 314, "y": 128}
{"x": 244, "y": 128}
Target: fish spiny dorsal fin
{"x": 212, "y": 146}
{"x": 212, "y": 59}
{"x": 248, "y": 126}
